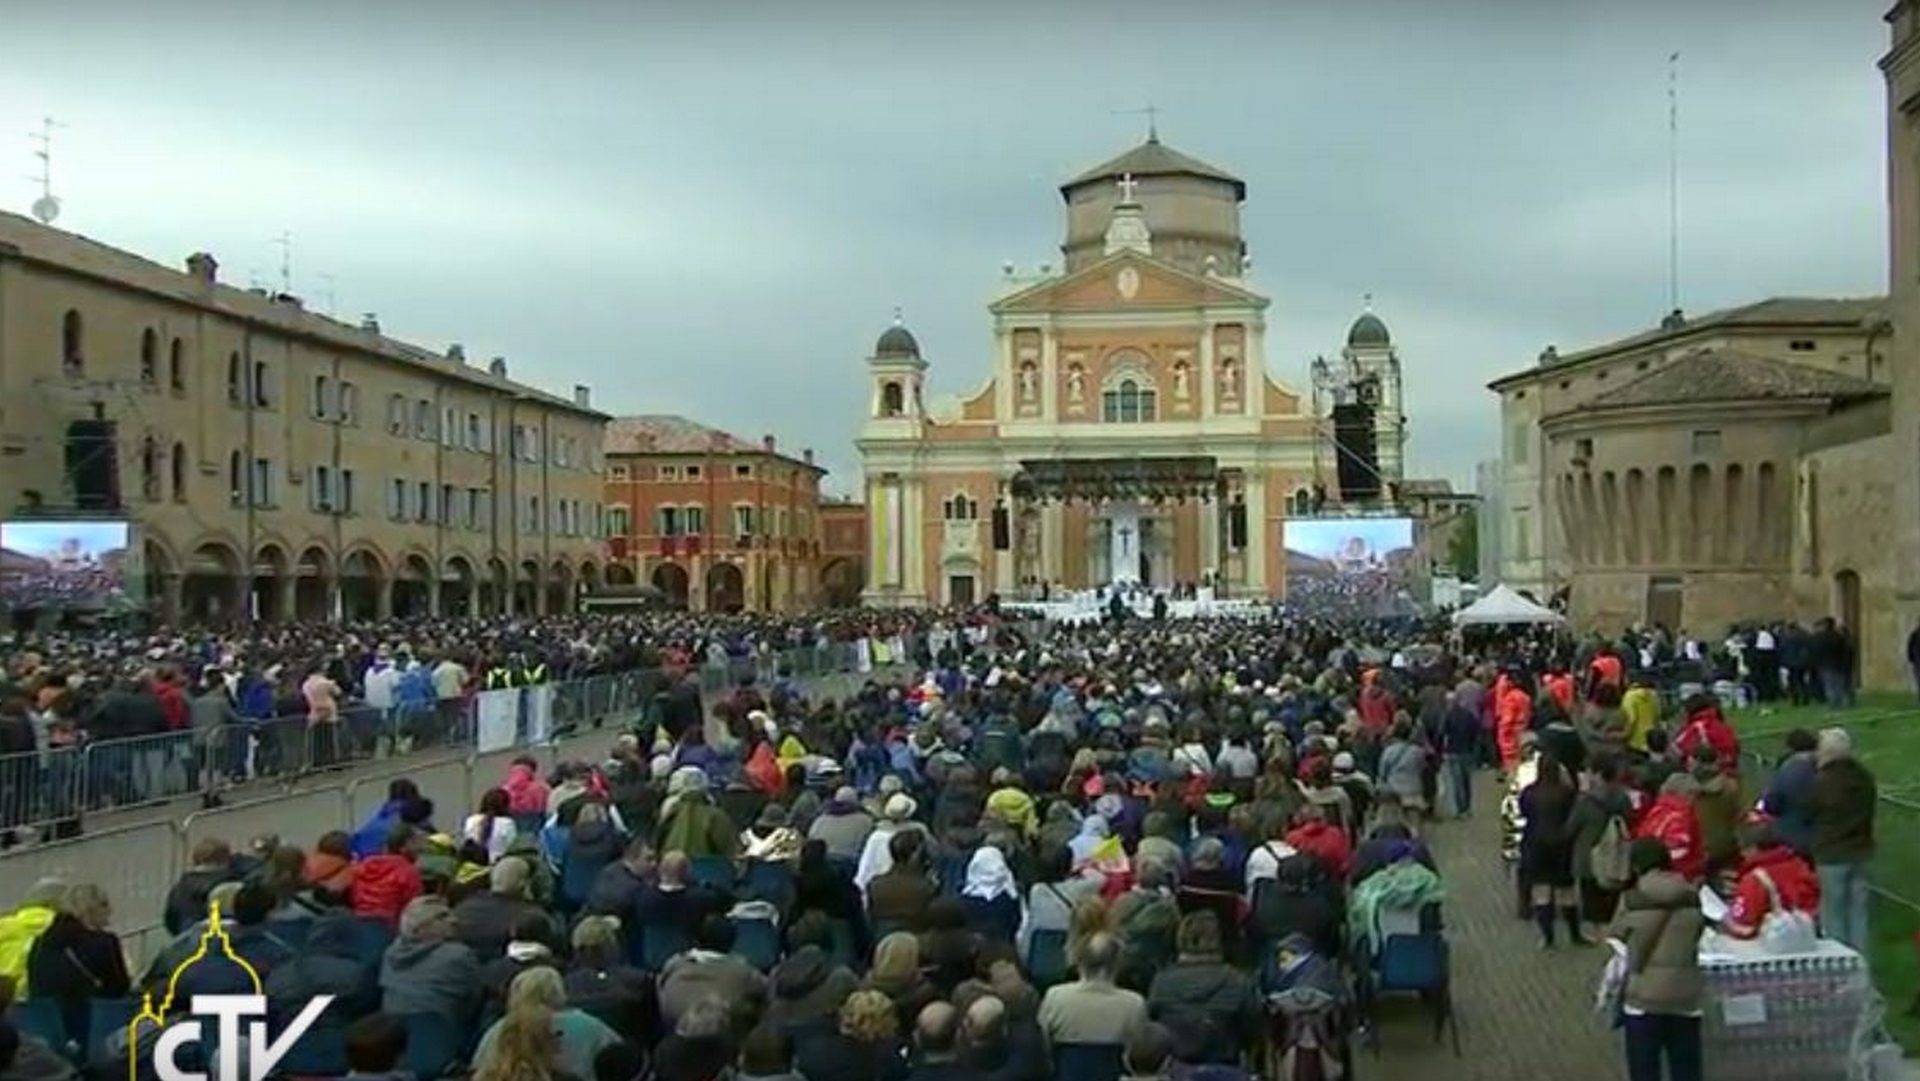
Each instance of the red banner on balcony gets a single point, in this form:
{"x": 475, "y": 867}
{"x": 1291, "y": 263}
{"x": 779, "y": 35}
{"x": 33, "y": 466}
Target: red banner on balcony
{"x": 693, "y": 545}
{"x": 666, "y": 547}
{"x": 617, "y": 548}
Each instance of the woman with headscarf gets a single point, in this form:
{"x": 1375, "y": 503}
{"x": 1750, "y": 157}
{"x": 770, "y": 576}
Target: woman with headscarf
{"x": 991, "y": 895}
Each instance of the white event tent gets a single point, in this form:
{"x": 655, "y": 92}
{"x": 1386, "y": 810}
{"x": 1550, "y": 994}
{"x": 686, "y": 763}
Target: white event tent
{"x": 1503, "y": 605}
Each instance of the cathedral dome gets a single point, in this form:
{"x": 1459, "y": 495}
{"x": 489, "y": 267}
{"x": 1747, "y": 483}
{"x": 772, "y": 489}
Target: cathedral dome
{"x": 1369, "y": 330}
{"x": 1191, "y": 208}
{"x": 897, "y": 341}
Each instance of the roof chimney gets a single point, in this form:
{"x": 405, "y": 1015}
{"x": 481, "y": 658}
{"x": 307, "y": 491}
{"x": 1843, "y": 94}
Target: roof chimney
{"x": 583, "y": 395}
{"x": 1674, "y": 321}
{"x": 370, "y": 323}
{"x": 457, "y": 353}
{"x": 203, "y": 267}
{"x": 806, "y": 455}
{"x": 1550, "y": 354}
{"x": 498, "y": 367}
{"x": 767, "y": 443}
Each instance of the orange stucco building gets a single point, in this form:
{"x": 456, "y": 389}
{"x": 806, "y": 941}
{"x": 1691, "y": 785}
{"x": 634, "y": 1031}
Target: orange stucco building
{"x": 714, "y": 522}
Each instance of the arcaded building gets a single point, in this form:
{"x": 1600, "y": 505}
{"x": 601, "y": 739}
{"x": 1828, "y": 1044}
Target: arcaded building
{"x": 277, "y": 463}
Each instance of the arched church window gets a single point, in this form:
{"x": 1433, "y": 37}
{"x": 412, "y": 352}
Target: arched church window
{"x": 892, "y": 400}
{"x": 1128, "y": 402}
{"x": 960, "y": 508}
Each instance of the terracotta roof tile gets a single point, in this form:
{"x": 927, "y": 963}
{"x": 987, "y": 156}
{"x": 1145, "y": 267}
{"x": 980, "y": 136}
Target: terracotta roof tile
{"x": 1728, "y": 375}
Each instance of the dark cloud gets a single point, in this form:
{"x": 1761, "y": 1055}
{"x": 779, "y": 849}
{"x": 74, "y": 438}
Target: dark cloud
{"x": 716, "y": 213}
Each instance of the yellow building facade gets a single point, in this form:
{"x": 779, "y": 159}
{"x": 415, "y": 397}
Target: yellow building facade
{"x": 276, "y": 463}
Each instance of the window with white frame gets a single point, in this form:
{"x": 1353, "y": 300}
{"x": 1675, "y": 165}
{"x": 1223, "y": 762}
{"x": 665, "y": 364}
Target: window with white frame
{"x": 1130, "y": 400}
{"x": 619, "y": 472}
{"x": 262, "y": 487}
{"x": 619, "y": 520}
{"x": 742, "y": 520}
{"x": 473, "y": 432}
{"x": 446, "y": 504}
{"x": 397, "y": 499}
{"x": 349, "y": 403}
{"x": 262, "y": 386}
{"x": 397, "y": 414}
{"x": 343, "y": 501}
{"x": 320, "y": 489}
{"x": 961, "y": 508}
{"x": 695, "y": 517}
{"x": 322, "y": 397}
{"x": 422, "y": 419}
{"x": 449, "y": 427}
{"x": 423, "y": 501}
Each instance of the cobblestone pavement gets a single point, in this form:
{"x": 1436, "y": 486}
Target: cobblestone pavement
{"x": 1524, "y": 1013}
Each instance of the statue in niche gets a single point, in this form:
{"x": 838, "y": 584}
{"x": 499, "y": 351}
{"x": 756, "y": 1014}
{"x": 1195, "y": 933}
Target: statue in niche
{"x": 1229, "y": 380}
{"x": 1076, "y": 383}
{"x": 1180, "y": 373}
{"x": 1029, "y": 381}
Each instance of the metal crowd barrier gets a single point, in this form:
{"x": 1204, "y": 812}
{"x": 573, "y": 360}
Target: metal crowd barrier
{"x": 137, "y": 864}
{"x": 41, "y": 788}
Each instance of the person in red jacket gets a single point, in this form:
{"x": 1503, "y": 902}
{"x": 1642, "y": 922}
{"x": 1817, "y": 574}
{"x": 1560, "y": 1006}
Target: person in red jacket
{"x": 1673, "y": 822}
{"x": 173, "y": 700}
{"x": 1323, "y": 841}
{"x": 1706, "y": 727}
{"x": 1376, "y": 703}
{"x": 1605, "y": 670}
{"x": 1560, "y": 686}
{"x": 1512, "y": 715}
{"x": 385, "y": 883}
{"x": 1764, "y": 859}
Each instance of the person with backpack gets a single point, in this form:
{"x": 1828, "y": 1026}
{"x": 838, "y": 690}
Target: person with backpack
{"x": 1602, "y": 830}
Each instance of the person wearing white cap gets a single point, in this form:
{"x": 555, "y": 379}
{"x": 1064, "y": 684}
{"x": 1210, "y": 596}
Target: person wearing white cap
{"x": 876, "y": 858}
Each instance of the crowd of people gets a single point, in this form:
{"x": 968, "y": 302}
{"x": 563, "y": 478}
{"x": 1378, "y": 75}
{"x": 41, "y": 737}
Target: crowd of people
{"x": 1135, "y": 849}
{"x": 171, "y": 713}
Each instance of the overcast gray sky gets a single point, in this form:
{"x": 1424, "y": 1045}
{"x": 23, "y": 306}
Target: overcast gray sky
{"x": 712, "y": 208}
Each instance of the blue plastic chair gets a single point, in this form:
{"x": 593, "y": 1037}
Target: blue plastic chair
{"x": 1419, "y": 964}
{"x": 758, "y": 942}
{"x": 433, "y": 1045}
{"x": 659, "y": 944}
{"x": 371, "y": 937}
{"x": 1087, "y": 1062}
{"x": 768, "y": 880}
{"x": 1047, "y": 958}
{"x": 105, "y": 1017}
{"x": 43, "y": 1019}
{"x": 713, "y": 872}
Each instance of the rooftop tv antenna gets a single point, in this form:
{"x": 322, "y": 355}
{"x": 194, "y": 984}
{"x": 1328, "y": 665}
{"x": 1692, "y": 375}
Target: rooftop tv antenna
{"x": 1153, "y": 119}
{"x": 1673, "y": 182}
{"x": 47, "y": 207}
{"x": 285, "y": 243}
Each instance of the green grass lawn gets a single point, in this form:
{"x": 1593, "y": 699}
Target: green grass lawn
{"x": 1886, "y": 737}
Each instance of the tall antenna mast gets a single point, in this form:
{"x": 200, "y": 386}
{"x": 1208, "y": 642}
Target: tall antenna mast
{"x": 1673, "y": 182}
{"x": 285, "y": 243}
{"x": 1153, "y": 119}
{"x": 47, "y": 207}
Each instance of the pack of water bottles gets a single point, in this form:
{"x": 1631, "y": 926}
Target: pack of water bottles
{"x": 1795, "y": 1017}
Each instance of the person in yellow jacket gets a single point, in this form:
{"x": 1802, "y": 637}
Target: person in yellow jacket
{"x": 21, "y": 927}
{"x": 1641, "y": 707}
{"x": 1014, "y": 806}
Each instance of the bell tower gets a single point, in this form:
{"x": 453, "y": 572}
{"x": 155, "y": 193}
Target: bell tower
{"x": 1373, "y": 372}
{"x": 898, "y": 374}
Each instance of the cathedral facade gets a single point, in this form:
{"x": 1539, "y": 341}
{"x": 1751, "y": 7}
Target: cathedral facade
{"x": 1128, "y": 430}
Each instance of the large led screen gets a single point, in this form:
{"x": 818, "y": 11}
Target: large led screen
{"x": 75, "y": 564}
{"x": 1349, "y": 568}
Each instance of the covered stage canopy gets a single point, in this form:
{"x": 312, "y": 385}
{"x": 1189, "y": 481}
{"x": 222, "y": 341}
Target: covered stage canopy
{"x": 1503, "y": 605}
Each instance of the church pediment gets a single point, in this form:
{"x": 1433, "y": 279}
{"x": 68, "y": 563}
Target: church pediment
{"x": 1123, "y": 281}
